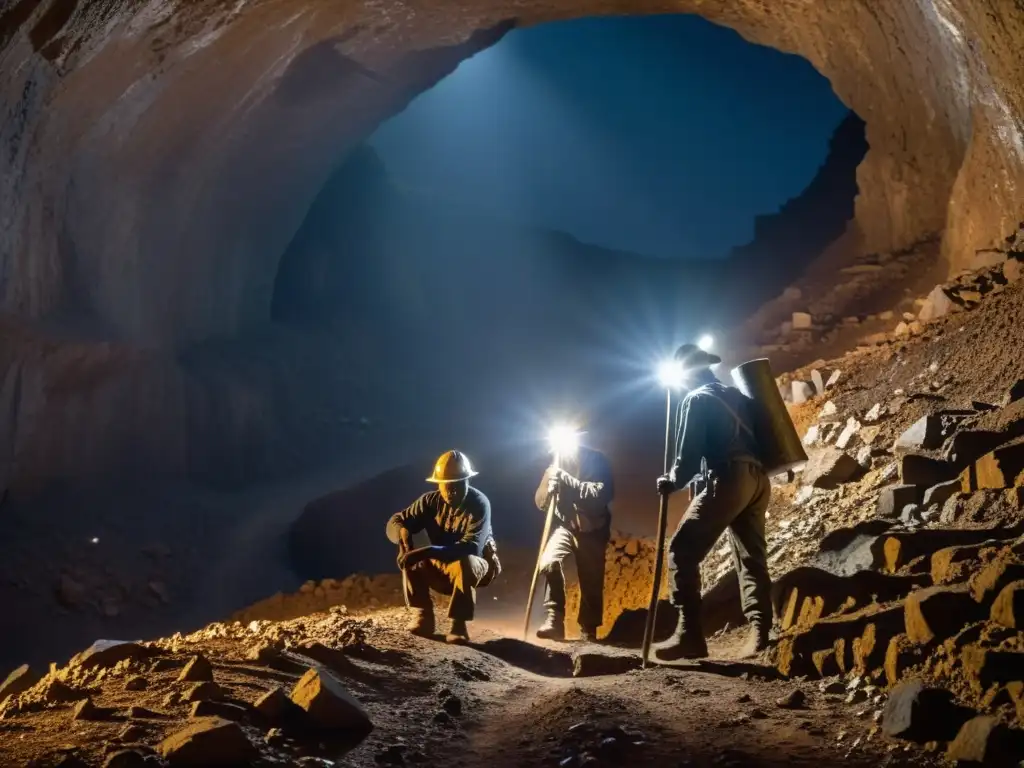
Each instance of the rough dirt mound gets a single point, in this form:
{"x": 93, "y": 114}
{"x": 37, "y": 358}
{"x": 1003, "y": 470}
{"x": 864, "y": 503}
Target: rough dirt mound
{"x": 305, "y": 692}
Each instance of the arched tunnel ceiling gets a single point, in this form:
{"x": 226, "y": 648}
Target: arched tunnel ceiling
{"x": 158, "y": 156}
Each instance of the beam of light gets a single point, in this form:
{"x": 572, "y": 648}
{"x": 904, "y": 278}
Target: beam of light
{"x": 707, "y": 342}
{"x": 670, "y": 374}
{"x": 563, "y": 439}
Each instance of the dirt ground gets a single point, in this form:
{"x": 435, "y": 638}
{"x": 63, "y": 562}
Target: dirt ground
{"x": 497, "y": 702}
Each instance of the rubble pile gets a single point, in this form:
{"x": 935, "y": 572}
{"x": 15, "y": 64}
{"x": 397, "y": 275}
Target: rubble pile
{"x": 908, "y": 524}
{"x": 359, "y": 593}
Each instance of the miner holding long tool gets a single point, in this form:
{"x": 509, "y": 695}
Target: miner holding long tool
{"x": 578, "y": 488}
{"x": 461, "y": 555}
{"x": 716, "y": 451}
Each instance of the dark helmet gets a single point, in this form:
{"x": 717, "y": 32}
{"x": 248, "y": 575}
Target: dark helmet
{"x": 691, "y": 357}
{"x": 452, "y": 467}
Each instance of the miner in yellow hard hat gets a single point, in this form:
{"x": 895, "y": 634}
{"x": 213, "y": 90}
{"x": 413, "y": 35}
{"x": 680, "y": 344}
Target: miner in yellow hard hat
{"x": 461, "y": 555}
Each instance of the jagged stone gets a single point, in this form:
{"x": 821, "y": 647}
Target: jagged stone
{"x": 941, "y": 493}
{"x": 874, "y": 625}
{"x": 275, "y": 706}
{"x": 850, "y": 431}
{"x": 987, "y": 583}
{"x": 132, "y": 733}
{"x": 1012, "y": 270}
{"x": 929, "y": 432}
{"x": 1001, "y": 468}
{"x": 597, "y": 664}
{"x": 328, "y": 704}
{"x": 86, "y": 710}
{"x": 1016, "y": 392}
{"x": 935, "y": 613}
{"x": 818, "y": 381}
{"x": 983, "y": 740}
{"x": 830, "y": 468}
{"x": 209, "y": 742}
{"x": 894, "y": 550}
{"x": 19, "y": 681}
{"x": 802, "y": 391}
{"x": 893, "y": 498}
{"x": 222, "y": 709}
{"x": 1008, "y": 607}
{"x": 198, "y": 670}
{"x": 901, "y": 654}
{"x": 205, "y": 691}
{"x": 936, "y": 305}
{"x": 985, "y": 667}
{"x": 104, "y": 654}
{"x": 805, "y": 594}
{"x": 944, "y": 561}
{"x": 917, "y": 713}
{"x": 924, "y": 471}
{"x": 136, "y": 683}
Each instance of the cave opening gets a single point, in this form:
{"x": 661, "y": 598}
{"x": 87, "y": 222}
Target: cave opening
{"x": 537, "y": 224}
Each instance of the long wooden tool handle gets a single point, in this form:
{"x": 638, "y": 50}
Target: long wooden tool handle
{"x": 552, "y": 503}
{"x": 652, "y": 608}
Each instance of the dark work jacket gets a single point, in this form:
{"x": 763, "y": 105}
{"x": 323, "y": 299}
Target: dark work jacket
{"x": 463, "y": 531}
{"x": 705, "y": 428}
{"x": 585, "y": 493}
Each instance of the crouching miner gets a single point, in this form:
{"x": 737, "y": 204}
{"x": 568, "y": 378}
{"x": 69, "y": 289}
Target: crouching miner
{"x": 581, "y": 525}
{"x": 716, "y": 453}
{"x": 461, "y": 555}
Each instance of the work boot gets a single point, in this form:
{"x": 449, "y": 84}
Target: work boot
{"x": 422, "y": 622}
{"x": 553, "y": 627}
{"x": 758, "y": 639}
{"x": 687, "y": 642}
{"x": 458, "y": 634}
{"x": 588, "y": 635}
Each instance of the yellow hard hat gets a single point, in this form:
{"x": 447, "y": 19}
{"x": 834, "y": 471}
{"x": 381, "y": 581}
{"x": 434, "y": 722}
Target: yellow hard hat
{"x": 451, "y": 467}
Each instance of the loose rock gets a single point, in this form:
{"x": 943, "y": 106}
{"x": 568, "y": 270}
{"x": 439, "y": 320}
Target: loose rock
{"x": 328, "y": 704}
{"x": 212, "y": 742}
{"x": 197, "y": 670}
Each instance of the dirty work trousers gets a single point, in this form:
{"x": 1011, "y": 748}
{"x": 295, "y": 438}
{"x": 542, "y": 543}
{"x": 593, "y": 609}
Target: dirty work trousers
{"x": 589, "y": 551}
{"x": 737, "y": 501}
{"x": 459, "y": 579}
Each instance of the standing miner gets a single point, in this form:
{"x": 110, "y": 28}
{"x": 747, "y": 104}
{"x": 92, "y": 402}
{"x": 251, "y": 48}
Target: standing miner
{"x": 581, "y": 528}
{"x": 716, "y": 451}
{"x": 461, "y": 555}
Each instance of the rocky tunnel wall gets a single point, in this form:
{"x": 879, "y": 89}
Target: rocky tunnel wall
{"x": 156, "y": 158}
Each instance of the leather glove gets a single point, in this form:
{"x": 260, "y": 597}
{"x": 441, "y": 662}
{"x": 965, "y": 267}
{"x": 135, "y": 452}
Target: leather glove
{"x": 666, "y": 485}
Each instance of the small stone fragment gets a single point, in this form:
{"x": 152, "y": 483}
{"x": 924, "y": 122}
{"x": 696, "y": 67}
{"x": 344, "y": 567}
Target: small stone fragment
{"x": 328, "y": 704}
{"x": 921, "y": 714}
{"x": 209, "y": 742}
{"x": 197, "y": 670}
{"x": 207, "y": 691}
{"x": 985, "y": 741}
{"x": 132, "y": 733}
{"x": 136, "y": 683}
{"x": 274, "y": 705}
{"x": 104, "y": 654}
{"x": 86, "y": 710}
{"x": 795, "y": 699}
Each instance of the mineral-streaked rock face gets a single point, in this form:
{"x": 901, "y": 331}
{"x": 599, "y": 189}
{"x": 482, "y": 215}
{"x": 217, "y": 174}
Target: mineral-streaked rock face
{"x": 156, "y": 158}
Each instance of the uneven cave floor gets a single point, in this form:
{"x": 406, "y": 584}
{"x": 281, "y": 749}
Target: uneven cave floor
{"x": 497, "y": 702}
